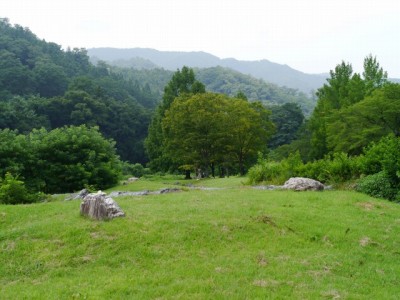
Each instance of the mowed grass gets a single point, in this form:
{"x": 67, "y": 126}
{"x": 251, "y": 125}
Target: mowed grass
{"x": 235, "y": 243}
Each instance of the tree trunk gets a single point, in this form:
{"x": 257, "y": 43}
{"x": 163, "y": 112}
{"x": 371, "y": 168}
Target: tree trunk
{"x": 221, "y": 172}
{"x": 187, "y": 174}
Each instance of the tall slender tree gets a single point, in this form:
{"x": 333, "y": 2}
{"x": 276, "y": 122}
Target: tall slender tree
{"x": 183, "y": 82}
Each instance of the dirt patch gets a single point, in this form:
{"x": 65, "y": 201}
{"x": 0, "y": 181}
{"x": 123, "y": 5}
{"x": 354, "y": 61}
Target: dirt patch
{"x": 366, "y": 205}
{"x": 266, "y": 283}
{"x": 318, "y": 273}
{"x": 366, "y": 241}
{"x": 266, "y": 220}
{"x": 9, "y": 246}
{"x": 370, "y": 206}
{"x": 261, "y": 260}
{"x": 333, "y": 294}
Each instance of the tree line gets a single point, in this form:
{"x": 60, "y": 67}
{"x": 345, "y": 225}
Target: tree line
{"x": 352, "y": 135}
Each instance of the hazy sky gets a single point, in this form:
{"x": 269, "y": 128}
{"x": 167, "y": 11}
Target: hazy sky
{"x": 311, "y": 36}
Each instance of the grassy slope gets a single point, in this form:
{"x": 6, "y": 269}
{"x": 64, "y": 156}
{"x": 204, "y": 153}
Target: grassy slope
{"x": 237, "y": 243}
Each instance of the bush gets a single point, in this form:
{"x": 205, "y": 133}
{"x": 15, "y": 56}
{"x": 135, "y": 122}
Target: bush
{"x": 384, "y": 155}
{"x": 70, "y": 158}
{"x": 275, "y": 172}
{"x": 337, "y": 168}
{"x": 136, "y": 170}
{"x": 378, "y": 185}
{"x": 13, "y": 191}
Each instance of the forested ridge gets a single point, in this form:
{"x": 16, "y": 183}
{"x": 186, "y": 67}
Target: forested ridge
{"x": 42, "y": 85}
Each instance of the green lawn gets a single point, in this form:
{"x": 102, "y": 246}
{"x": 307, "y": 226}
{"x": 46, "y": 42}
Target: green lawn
{"x": 235, "y": 243}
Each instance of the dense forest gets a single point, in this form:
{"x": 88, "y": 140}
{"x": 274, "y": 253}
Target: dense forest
{"x": 42, "y": 85}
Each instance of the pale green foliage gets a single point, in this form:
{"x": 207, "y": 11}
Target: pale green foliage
{"x": 337, "y": 168}
{"x": 354, "y": 127}
{"x": 344, "y": 119}
{"x": 275, "y": 172}
{"x": 373, "y": 74}
{"x": 13, "y": 191}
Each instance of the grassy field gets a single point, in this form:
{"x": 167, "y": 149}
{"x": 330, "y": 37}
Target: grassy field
{"x": 233, "y": 243}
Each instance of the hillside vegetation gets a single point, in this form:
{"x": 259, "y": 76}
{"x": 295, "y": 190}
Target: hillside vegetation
{"x": 237, "y": 243}
{"x": 222, "y": 80}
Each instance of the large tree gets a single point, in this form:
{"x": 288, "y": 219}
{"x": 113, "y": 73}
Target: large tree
{"x": 208, "y": 130}
{"x": 183, "y": 82}
{"x": 351, "y": 129}
{"x": 342, "y": 91}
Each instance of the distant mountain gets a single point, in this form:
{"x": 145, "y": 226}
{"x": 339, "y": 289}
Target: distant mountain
{"x": 395, "y": 80}
{"x": 281, "y": 75}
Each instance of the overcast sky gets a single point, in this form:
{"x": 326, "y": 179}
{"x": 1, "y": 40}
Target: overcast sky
{"x": 311, "y": 36}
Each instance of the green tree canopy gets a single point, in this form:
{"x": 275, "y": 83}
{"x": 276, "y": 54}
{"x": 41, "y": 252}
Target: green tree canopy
{"x": 337, "y": 101}
{"x": 354, "y": 127}
{"x": 183, "y": 82}
{"x": 206, "y": 130}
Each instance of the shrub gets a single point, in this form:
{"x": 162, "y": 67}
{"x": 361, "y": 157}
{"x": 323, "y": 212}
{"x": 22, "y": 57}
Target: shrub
{"x": 275, "y": 172}
{"x": 13, "y": 191}
{"x": 378, "y": 185}
{"x": 136, "y": 170}
{"x": 69, "y": 158}
{"x": 384, "y": 155}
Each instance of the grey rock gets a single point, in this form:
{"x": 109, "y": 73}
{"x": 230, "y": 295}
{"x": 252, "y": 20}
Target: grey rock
{"x": 267, "y": 187}
{"x": 303, "y": 184}
{"x": 80, "y": 195}
{"x": 120, "y": 194}
{"x": 169, "y": 190}
{"x": 99, "y": 206}
{"x": 132, "y": 179}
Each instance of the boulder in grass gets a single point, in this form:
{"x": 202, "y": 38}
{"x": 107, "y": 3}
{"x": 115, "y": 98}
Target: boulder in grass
{"x": 100, "y": 207}
{"x": 303, "y": 184}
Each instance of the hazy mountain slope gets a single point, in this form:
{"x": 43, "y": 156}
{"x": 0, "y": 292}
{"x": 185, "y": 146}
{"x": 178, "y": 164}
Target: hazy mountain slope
{"x": 164, "y": 59}
{"x": 230, "y": 82}
{"x": 281, "y": 75}
{"x": 222, "y": 80}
